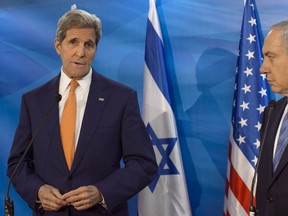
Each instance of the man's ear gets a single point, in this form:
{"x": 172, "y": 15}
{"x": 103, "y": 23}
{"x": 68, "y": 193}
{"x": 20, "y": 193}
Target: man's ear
{"x": 57, "y": 45}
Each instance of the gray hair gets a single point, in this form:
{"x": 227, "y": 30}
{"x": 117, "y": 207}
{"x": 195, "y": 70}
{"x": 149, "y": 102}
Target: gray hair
{"x": 79, "y": 19}
{"x": 283, "y": 25}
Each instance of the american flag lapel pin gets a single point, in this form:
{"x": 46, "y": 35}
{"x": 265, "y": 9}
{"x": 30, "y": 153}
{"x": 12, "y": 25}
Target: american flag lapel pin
{"x": 101, "y": 99}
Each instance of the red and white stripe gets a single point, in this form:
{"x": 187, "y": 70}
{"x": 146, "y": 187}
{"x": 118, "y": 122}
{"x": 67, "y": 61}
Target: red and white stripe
{"x": 238, "y": 182}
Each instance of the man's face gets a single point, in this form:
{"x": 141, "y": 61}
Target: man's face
{"x": 275, "y": 63}
{"x": 77, "y": 51}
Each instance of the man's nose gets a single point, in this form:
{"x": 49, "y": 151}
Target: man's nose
{"x": 263, "y": 68}
{"x": 80, "y": 52}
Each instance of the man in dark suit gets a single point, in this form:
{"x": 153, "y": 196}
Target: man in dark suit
{"x": 108, "y": 128}
{"x": 272, "y": 182}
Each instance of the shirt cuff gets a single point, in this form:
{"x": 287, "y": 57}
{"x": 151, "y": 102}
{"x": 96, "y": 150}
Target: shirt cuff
{"x": 102, "y": 203}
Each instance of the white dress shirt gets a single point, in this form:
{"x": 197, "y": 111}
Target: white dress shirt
{"x": 81, "y": 92}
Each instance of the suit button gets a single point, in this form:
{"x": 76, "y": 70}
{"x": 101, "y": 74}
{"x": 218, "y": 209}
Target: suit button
{"x": 270, "y": 200}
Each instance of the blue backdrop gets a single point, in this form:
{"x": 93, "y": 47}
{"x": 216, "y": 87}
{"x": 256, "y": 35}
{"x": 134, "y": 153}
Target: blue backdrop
{"x": 201, "y": 44}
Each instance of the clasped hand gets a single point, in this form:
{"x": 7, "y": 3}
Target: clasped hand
{"x": 81, "y": 198}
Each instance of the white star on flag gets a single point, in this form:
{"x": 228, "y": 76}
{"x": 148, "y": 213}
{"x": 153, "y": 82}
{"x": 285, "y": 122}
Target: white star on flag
{"x": 248, "y": 71}
{"x": 252, "y": 21}
{"x": 244, "y": 105}
{"x": 257, "y": 143}
{"x": 251, "y": 38}
{"x": 241, "y": 139}
{"x": 250, "y": 54}
{"x": 260, "y": 108}
{"x": 263, "y": 76}
{"x": 263, "y": 92}
{"x": 243, "y": 122}
{"x": 258, "y": 126}
{"x": 255, "y": 160}
{"x": 246, "y": 88}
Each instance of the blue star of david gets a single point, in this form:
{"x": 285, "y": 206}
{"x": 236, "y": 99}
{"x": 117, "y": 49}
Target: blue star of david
{"x": 166, "y": 166}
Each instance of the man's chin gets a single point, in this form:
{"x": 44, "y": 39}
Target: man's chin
{"x": 278, "y": 91}
{"x": 78, "y": 74}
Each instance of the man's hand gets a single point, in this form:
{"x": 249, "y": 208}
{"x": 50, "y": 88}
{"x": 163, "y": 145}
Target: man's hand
{"x": 83, "y": 197}
{"x": 51, "y": 198}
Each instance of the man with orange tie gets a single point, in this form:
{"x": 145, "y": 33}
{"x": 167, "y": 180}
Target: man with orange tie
{"x": 73, "y": 167}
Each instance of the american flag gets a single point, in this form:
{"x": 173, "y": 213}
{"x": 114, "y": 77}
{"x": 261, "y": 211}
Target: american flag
{"x": 251, "y": 96}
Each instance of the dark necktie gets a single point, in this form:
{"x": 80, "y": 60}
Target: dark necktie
{"x": 282, "y": 142}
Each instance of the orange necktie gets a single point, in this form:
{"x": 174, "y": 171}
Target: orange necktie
{"x": 68, "y": 122}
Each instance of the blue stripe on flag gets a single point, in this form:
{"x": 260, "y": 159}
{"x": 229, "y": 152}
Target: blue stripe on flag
{"x": 155, "y": 60}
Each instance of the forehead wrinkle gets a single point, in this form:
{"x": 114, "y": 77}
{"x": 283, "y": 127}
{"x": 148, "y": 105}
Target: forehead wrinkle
{"x": 77, "y": 36}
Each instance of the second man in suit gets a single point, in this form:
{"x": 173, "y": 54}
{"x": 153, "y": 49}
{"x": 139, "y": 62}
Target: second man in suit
{"x": 272, "y": 190}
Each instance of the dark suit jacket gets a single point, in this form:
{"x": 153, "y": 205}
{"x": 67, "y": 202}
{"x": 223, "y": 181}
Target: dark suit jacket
{"x": 112, "y": 130}
{"x": 272, "y": 190}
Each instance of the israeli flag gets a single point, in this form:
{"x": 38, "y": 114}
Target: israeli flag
{"x": 167, "y": 194}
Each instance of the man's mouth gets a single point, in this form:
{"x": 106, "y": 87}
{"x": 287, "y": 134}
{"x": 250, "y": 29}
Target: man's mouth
{"x": 79, "y": 63}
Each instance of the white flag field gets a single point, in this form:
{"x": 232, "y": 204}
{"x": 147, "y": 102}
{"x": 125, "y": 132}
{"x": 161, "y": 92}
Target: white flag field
{"x": 167, "y": 195}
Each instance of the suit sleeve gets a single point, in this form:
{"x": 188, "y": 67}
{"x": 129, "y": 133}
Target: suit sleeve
{"x": 138, "y": 156}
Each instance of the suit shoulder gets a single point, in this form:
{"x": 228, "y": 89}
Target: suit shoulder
{"x": 281, "y": 101}
{"x": 278, "y": 103}
{"x": 113, "y": 84}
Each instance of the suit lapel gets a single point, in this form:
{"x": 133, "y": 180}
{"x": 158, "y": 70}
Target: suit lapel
{"x": 96, "y": 102}
{"x": 53, "y": 128}
{"x": 275, "y": 119}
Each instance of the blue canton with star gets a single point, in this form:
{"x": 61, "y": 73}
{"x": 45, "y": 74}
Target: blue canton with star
{"x": 165, "y": 147}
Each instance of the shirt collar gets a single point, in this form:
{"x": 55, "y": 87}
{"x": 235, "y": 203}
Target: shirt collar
{"x": 65, "y": 81}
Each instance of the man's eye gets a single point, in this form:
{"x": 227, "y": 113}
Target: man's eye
{"x": 90, "y": 45}
{"x": 73, "y": 41}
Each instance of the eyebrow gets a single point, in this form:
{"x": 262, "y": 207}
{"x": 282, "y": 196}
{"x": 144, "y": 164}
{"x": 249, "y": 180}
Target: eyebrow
{"x": 269, "y": 53}
{"x": 76, "y": 38}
